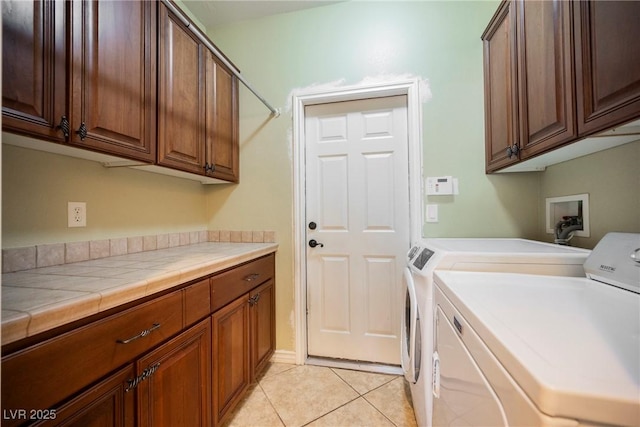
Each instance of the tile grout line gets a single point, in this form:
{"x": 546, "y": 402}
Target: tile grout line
{"x": 271, "y": 403}
{"x": 267, "y": 396}
{"x": 359, "y": 395}
{"x": 363, "y": 396}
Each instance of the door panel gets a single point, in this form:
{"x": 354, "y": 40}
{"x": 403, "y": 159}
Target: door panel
{"x": 379, "y": 273}
{"x": 358, "y": 193}
{"x": 334, "y": 297}
{"x": 334, "y": 196}
{"x": 379, "y": 191}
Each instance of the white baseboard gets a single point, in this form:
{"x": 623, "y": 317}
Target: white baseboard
{"x": 284, "y": 356}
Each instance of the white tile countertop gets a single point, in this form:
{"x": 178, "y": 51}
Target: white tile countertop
{"x": 40, "y": 299}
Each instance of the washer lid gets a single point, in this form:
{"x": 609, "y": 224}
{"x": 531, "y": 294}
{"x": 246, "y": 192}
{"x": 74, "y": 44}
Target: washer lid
{"x": 572, "y": 344}
{"x": 501, "y": 245}
{"x": 497, "y": 254}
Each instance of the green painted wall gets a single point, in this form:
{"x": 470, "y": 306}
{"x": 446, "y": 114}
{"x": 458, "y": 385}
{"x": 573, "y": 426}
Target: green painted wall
{"x": 121, "y": 202}
{"x": 612, "y": 180}
{"x": 349, "y": 42}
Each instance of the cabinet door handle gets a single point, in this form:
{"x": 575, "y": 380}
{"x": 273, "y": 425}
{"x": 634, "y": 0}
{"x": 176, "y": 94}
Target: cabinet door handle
{"x": 82, "y": 131}
{"x": 64, "y": 126}
{"x": 140, "y": 335}
{"x": 133, "y": 382}
{"x": 515, "y": 149}
{"x": 254, "y": 299}
{"x": 251, "y": 277}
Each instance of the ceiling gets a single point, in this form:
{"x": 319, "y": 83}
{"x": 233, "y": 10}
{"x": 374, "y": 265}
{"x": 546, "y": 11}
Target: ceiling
{"x": 213, "y": 13}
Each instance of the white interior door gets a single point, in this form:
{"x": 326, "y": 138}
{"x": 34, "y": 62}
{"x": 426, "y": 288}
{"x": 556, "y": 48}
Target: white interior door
{"x": 357, "y": 194}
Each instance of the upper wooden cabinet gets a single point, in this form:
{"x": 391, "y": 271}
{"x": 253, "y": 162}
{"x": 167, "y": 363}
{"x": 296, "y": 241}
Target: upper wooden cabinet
{"x": 607, "y": 63}
{"x": 34, "y": 57}
{"x": 89, "y": 81}
{"x": 529, "y": 89}
{"x": 222, "y": 151}
{"x": 124, "y": 78}
{"x": 545, "y": 75}
{"x": 555, "y": 72}
{"x": 181, "y": 96}
{"x": 198, "y": 105}
{"x": 500, "y": 87}
{"x": 113, "y": 77}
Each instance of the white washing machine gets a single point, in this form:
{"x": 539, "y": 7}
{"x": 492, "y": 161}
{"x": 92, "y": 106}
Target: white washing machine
{"x": 535, "y": 350}
{"x": 429, "y": 255}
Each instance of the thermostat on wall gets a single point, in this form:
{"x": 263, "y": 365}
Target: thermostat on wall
{"x": 441, "y": 185}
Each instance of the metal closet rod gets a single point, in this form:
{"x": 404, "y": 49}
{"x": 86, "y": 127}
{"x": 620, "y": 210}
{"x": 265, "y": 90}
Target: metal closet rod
{"x": 180, "y": 14}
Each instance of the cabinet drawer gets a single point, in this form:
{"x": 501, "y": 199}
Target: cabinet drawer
{"x": 230, "y": 285}
{"x": 42, "y": 375}
{"x": 197, "y": 304}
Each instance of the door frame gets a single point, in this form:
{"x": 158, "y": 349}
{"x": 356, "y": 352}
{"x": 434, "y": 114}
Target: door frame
{"x": 313, "y": 96}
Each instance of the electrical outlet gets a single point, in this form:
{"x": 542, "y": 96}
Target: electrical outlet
{"x": 77, "y": 214}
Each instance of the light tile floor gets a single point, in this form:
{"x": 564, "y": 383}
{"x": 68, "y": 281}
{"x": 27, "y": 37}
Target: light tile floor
{"x": 290, "y": 395}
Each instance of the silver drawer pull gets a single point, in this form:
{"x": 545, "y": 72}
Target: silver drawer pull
{"x": 251, "y": 277}
{"x": 140, "y": 335}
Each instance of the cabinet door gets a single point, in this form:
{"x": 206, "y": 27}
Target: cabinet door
{"x": 607, "y": 63}
{"x": 222, "y": 121}
{"x": 231, "y": 353}
{"x": 33, "y": 67}
{"x": 178, "y": 393}
{"x": 181, "y": 93}
{"x": 545, "y": 75}
{"x": 500, "y": 88}
{"x": 106, "y": 404}
{"x": 113, "y": 77}
{"x": 263, "y": 325}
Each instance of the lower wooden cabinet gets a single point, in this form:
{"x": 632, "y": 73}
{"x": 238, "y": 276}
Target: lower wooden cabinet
{"x": 107, "y": 404}
{"x": 180, "y": 359}
{"x": 231, "y": 347}
{"x": 178, "y": 391}
{"x": 263, "y": 325}
{"x": 44, "y": 374}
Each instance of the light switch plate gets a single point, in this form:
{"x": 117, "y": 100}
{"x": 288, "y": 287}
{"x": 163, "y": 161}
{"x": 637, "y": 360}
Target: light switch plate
{"x": 432, "y": 213}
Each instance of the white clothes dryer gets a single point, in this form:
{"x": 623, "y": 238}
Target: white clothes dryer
{"x": 522, "y": 349}
{"x": 430, "y": 255}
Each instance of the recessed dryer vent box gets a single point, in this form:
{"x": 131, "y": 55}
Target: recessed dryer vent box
{"x": 559, "y": 207}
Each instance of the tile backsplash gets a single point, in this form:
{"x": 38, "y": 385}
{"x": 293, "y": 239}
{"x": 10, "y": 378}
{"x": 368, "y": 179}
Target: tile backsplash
{"x": 27, "y": 258}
